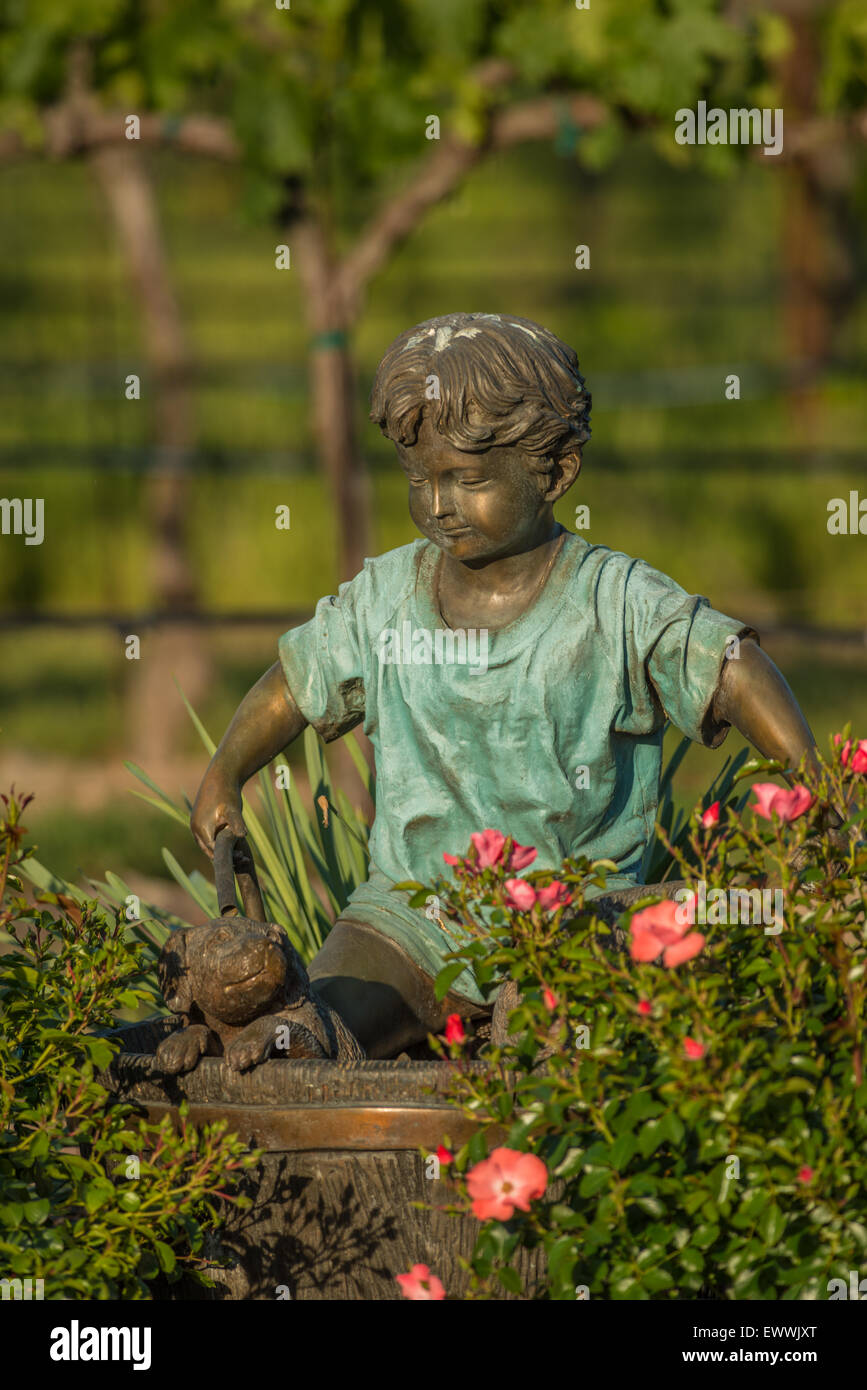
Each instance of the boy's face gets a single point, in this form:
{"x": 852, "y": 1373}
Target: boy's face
{"x": 475, "y": 506}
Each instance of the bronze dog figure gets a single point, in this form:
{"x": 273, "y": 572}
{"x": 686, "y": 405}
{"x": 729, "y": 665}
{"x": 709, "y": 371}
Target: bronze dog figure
{"x": 243, "y": 993}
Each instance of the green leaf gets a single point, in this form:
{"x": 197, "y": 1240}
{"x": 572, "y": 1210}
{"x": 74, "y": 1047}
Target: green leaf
{"x": 175, "y": 812}
{"x": 692, "y": 1259}
{"x": 164, "y": 798}
{"x": 148, "y": 1267}
{"x": 368, "y": 777}
{"x": 209, "y": 743}
{"x": 477, "y": 1148}
{"x": 99, "y": 1051}
{"x": 166, "y": 1256}
{"x": 705, "y": 1236}
{"x": 622, "y": 1150}
{"x": 655, "y": 1280}
{"x": 594, "y": 1182}
{"x": 446, "y": 978}
{"x": 39, "y": 1147}
{"x": 206, "y": 900}
{"x": 771, "y": 1224}
{"x": 572, "y": 1162}
{"x": 97, "y": 1192}
{"x": 510, "y": 1279}
{"x": 562, "y": 1256}
{"x": 672, "y": 1128}
{"x": 35, "y": 1212}
{"x": 651, "y": 1135}
{"x": 49, "y": 882}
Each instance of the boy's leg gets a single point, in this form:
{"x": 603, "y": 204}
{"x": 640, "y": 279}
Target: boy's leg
{"x": 386, "y": 1000}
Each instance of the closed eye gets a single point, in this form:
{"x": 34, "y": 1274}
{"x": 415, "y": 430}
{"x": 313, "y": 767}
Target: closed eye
{"x": 464, "y": 482}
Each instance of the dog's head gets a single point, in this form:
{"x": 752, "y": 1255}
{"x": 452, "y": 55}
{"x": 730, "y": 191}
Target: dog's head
{"x": 231, "y": 970}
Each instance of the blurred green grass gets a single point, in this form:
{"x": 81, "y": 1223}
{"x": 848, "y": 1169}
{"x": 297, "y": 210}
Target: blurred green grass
{"x": 120, "y": 834}
{"x": 685, "y": 272}
{"x": 685, "y": 278}
{"x": 753, "y": 543}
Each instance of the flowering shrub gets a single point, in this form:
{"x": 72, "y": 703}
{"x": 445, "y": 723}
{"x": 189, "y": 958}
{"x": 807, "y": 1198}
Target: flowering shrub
{"x": 93, "y": 1202}
{"x": 685, "y": 1117}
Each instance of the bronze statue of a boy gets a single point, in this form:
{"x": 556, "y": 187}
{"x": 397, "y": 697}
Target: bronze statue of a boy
{"x": 488, "y": 662}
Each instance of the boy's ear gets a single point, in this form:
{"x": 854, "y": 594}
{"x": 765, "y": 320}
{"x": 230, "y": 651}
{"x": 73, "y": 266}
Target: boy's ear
{"x": 563, "y": 474}
{"x": 172, "y": 972}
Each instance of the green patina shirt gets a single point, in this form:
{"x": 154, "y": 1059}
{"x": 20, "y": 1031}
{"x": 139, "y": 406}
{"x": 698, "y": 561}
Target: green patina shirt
{"x": 550, "y": 732}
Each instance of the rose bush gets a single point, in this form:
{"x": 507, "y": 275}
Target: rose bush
{"x": 93, "y": 1201}
{"x": 701, "y": 1127}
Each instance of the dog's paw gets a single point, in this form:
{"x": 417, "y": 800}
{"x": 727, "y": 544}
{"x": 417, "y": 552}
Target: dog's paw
{"x": 181, "y": 1051}
{"x": 252, "y": 1046}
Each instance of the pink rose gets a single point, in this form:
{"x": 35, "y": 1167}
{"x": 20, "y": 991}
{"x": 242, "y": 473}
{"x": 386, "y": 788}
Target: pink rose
{"x": 504, "y": 1181}
{"x": 489, "y": 846}
{"x": 693, "y": 1049}
{"x": 859, "y": 757}
{"x": 520, "y": 894}
{"x": 662, "y": 929}
{"x": 846, "y": 749}
{"x": 645, "y": 1007}
{"x": 554, "y": 896}
{"x": 549, "y": 999}
{"x": 521, "y": 856}
{"x": 444, "y": 1155}
{"x": 805, "y": 1174}
{"x": 452, "y": 859}
{"x": 772, "y": 800}
{"x": 683, "y": 951}
{"x": 711, "y": 816}
{"x": 420, "y": 1284}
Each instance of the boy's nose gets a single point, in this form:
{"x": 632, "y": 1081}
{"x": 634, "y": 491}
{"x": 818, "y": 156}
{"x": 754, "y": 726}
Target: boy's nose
{"x": 440, "y": 502}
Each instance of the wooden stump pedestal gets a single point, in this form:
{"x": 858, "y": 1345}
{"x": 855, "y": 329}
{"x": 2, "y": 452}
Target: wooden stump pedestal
{"x": 332, "y": 1214}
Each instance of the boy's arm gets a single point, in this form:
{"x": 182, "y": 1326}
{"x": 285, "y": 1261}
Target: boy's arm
{"x": 753, "y": 696}
{"x": 266, "y": 720}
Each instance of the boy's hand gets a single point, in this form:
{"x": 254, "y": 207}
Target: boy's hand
{"x": 265, "y": 721}
{"x": 218, "y": 803}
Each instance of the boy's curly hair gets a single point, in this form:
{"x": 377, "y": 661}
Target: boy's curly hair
{"x": 499, "y": 380}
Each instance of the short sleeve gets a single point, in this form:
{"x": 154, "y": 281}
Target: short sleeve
{"x": 678, "y": 643}
{"x": 322, "y": 663}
